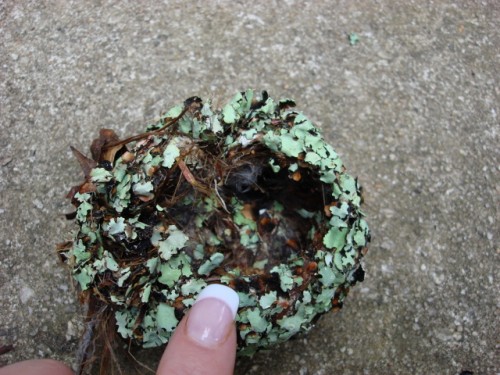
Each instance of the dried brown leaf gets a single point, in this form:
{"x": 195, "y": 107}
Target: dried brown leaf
{"x": 99, "y": 148}
{"x": 85, "y": 163}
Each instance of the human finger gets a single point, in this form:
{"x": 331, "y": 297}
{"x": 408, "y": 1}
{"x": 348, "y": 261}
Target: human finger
{"x": 37, "y": 367}
{"x": 205, "y": 340}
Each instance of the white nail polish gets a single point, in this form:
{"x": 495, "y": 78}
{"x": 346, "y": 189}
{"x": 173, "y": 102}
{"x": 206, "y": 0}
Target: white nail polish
{"x": 212, "y": 315}
{"x": 223, "y": 293}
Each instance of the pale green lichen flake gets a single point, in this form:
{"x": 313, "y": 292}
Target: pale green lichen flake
{"x": 335, "y": 238}
{"x": 193, "y": 286}
{"x": 116, "y": 226}
{"x": 269, "y": 106}
{"x": 122, "y": 321}
{"x": 175, "y": 241}
{"x": 285, "y": 275}
{"x": 170, "y": 154}
{"x": 312, "y": 158}
{"x": 165, "y": 317}
{"x": 80, "y": 251}
{"x": 258, "y": 323}
{"x": 275, "y": 167}
{"x": 229, "y": 114}
{"x": 125, "y": 273}
{"x": 268, "y": 299}
{"x": 100, "y": 175}
{"x": 214, "y": 261}
{"x": 292, "y": 323}
{"x": 327, "y": 276}
{"x": 290, "y": 146}
{"x": 145, "y": 293}
{"x": 142, "y": 188}
{"x": 83, "y": 209}
{"x": 84, "y": 278}
{"x": 175, "y": 111}
{"x": 169, "y": 275}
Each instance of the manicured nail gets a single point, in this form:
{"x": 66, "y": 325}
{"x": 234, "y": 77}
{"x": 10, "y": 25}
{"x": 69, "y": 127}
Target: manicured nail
{"x": 212, "y": 315}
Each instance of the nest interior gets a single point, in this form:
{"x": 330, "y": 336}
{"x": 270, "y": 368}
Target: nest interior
{"x": 249, "y": 195}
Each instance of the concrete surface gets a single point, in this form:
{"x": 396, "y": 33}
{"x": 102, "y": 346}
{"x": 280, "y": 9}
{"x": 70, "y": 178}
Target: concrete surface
{"x": 412, "y": 107}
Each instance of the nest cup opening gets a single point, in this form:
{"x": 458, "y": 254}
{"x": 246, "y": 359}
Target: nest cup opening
{"x": 279, "y": 208}
{"x": 285, "y": 205}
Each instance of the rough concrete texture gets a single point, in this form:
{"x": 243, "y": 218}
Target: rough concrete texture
{"x": 412, "y": 108}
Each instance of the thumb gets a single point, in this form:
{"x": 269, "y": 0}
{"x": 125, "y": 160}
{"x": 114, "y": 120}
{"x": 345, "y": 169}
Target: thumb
{"x": 204, "y": 342}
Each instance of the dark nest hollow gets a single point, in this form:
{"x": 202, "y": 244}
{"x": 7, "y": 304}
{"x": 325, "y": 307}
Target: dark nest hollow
{"x": 249, "y": 195}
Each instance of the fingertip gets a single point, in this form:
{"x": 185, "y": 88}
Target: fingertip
{"x": 37, "y": 367}
{"x": 222, "y": 293}
{"x": 205, "y": 340}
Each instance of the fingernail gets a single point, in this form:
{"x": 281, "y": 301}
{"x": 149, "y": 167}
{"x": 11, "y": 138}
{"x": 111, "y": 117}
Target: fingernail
{"x": 212, "y": 315}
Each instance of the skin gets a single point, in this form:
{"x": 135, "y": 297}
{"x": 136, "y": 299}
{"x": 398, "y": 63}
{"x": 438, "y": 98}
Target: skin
{"x": 185, "y": 356}
{"x": 37, "y": 366}
{"x": 182, "y": 356}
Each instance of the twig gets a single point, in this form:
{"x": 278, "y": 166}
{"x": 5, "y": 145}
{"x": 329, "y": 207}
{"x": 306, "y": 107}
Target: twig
{"x": 220, "y": 198}
{"x": 139, "y": 362}
{"x": 191, "y": 179}
{"x": 147, "y": 134}
{"x": 6, "y": 348}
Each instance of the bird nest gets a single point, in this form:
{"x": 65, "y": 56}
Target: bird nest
{"x": 250, "y": 196}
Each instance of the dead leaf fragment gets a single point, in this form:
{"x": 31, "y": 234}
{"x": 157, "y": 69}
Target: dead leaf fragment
{"x": 101, "y": 149}
{"x": 85, "y": 163}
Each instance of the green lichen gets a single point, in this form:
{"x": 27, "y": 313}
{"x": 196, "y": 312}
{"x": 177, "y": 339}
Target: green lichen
{"x": 188, "y": 205}
{"x": 267, "y": 300}
{"x": 353, "y": 39}
{"x": 100, "y": 175}
{"x": 165, "y": 317}
{"x": 210, "y": 264}
{"x": 170, "y": 154}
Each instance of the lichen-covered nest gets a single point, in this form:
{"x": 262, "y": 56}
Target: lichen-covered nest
{"x": 250, "y": 196}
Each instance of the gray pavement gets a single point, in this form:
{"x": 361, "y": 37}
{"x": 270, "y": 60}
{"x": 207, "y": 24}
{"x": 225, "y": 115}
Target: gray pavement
{"x": 412, "y": 108}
